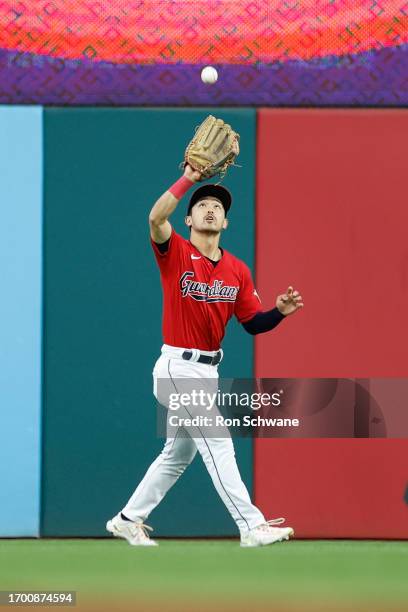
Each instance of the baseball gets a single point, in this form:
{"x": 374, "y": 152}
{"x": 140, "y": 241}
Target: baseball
{"x": 209, "y": 75}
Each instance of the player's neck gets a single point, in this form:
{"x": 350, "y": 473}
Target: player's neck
{"x": 207, "y": 244}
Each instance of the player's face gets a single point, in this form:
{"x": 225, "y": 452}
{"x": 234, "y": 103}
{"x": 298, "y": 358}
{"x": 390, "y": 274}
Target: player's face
{"x": 208, "y": 215}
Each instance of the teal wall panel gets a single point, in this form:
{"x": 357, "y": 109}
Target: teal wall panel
{"x": 104, "y": 170}
{"x": 20, "y": 319}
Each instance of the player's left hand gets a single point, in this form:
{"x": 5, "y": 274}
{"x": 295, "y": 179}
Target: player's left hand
{"x": 289, "y": 302}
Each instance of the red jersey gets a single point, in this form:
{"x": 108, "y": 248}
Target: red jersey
{"x": 200, "y": 298}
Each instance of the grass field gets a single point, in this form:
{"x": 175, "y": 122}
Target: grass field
{"x": 213, "y": 574}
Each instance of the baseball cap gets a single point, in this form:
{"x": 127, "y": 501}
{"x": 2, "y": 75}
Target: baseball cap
{"x": 215, "y": 191}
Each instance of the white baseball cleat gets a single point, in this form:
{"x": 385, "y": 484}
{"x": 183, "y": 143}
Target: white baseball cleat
{"x": 135, "y": 533}
{"x": 266, "y": 534}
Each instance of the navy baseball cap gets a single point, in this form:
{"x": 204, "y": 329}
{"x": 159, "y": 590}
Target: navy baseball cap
{"x": 214, "y": 191}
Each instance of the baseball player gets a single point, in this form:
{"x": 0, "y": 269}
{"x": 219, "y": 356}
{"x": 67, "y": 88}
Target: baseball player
{"x": 203, "y": 287}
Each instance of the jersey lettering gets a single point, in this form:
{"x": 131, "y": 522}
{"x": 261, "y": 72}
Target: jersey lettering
{"x": 202, "y": 292}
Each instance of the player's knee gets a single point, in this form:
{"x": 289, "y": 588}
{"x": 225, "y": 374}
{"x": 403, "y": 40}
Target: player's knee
{"x": 180, "y": 468}
{"x": 177, "y": 460}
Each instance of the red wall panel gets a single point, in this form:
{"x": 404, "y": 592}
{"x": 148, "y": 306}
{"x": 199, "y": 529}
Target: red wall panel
{"x": 335, "y": 488}
{"x": 332, "y": 220}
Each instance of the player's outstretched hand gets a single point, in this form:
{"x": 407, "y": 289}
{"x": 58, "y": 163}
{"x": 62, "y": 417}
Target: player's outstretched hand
{"x": 191, "y": 174}
{"x": 289, "y": 302}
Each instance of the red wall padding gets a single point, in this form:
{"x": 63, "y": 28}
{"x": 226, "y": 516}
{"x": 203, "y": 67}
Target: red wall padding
{"x": 335, "y": 488}
{"x": 332, "y": 220}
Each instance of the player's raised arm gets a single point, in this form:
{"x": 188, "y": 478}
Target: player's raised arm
{"x": 160, "y": 228}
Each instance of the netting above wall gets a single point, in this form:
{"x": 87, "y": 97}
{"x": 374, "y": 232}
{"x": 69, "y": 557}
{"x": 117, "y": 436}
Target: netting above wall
{"x": 292, "y": 52}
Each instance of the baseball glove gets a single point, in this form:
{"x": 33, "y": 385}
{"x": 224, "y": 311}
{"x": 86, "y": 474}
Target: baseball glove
{"x": 213, "y": 148}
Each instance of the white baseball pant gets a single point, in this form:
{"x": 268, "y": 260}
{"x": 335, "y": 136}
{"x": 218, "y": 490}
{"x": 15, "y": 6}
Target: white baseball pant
{"x": 180, "y": 449}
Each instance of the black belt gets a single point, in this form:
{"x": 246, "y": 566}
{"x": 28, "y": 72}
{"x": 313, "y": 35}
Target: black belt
{"x": 204, "y": 358}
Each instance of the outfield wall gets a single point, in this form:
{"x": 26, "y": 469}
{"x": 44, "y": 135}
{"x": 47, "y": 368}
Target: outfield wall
{"x": 332, "y": 217}
{"x": 327, "y": 202}
{"x": 104, "y": 168}
{"x": 20, "y": 319}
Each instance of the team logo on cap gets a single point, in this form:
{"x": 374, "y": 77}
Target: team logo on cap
{"x": 203, "y": 292}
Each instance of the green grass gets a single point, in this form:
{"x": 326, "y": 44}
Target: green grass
{"x": 335, "y": 571}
